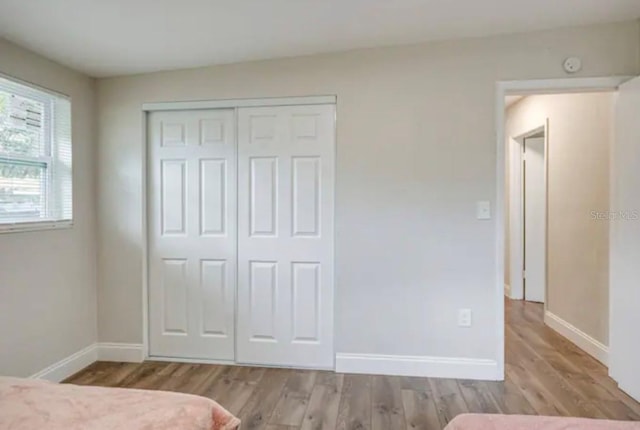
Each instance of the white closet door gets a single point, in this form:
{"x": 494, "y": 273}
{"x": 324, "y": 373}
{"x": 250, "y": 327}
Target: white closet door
{"x": 192, "y": 234}
{"x": 286, "y": 159}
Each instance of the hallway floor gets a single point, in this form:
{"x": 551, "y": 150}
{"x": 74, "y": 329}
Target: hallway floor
{"x": 545, "y": 375}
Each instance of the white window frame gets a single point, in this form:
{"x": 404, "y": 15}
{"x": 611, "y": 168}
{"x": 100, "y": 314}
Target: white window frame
{"x": 47, "y": 97}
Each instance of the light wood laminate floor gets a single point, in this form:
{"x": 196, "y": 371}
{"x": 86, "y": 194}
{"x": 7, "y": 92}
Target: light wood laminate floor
{"x": 545, "y": 375}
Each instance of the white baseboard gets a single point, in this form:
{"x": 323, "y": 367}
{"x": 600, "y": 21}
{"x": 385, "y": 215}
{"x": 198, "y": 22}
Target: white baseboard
{"x": 438, "y": 367}
{"x": 404, "y": 365}
{"x": 68, "y": 366}
{"x": 582, "y": 340}
{"x": 196, "y": 361}
{"x": 125, "y": 352}
{"x": 507, "y": 290}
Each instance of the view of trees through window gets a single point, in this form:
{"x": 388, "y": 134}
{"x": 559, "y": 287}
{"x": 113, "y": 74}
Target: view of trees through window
{"x": 22, "y": 172}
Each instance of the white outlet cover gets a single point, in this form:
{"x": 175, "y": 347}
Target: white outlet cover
{"x": 483, "y": 209}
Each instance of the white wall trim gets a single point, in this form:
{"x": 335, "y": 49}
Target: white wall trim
{"x": 582, "y": 340}
{"x": 145, "y": 236}
{"x": 124, "y": 352}
{"x": 235, "y": 103}
{"x": 507, "y": 290}
{"x": 68, "y": 366}
{"x": 563, "y": 85}
{"x": 503, "y": 88}
{"x": 405, "y": 365}
{"x": 195, "y": 361}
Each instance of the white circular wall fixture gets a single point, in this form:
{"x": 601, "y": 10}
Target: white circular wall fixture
{"x": 572, "y": 65}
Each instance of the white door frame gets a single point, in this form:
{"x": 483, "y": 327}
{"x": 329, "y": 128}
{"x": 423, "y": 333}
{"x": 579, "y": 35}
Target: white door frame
{"x": 206, "y": 104}
{"x": 516, "y": 211}
{"x": 504, "y": 88}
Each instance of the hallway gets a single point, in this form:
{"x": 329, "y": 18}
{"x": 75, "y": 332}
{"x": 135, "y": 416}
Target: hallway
{"x": 554, "y": 375}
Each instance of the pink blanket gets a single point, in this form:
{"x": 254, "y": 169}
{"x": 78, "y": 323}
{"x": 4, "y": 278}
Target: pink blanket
{"x": 33, "y": 404}
{"x": 529, "y": 422}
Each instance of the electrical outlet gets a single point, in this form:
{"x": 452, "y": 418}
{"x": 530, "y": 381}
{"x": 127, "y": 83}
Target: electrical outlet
{"x": 483, "y": 209}
{"x": 464, "y": 318}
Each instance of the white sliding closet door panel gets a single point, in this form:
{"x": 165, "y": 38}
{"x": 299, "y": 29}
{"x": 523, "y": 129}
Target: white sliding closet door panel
{"x": 286, "y": 158}
{"x": 192, "y": 234}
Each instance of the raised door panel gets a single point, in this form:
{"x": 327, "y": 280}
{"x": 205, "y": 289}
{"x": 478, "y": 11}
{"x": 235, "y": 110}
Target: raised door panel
{"x": 306, "y": 185}
{"x": 263, "y": 287}
{"x": 262, "y": 128}
{"x": 172, "y": 133}
{"x": 305, "y": 127}
{"x": 212, "y": 131}
{"x": 213, "y": 196}
{"x": 263, "y": 205}
{"x": 173, "y": 189}
{"x": 306, "y": 305}
{"x": 174, "y": 288}
{"x": 214, "y": 291}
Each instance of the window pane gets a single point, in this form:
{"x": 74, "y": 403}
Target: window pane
{"x": 21, "y": 126}
{"x": 22, "y": 191}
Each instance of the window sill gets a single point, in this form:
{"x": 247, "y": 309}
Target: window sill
{"x": 19, "y": 227}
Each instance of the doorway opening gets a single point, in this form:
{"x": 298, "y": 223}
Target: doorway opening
{"x": 612, "y": 351}
{"x": 557, "y": 168}
{"x": 525, "y": 271}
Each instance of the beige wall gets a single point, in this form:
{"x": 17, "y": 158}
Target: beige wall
{"x": 580, "y": 141}
{"x": 48, "y": 278}
{"x": 416, "y": 150}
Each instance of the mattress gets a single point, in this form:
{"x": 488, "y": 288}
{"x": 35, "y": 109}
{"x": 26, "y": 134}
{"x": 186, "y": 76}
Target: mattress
{"x": 531, "y": 422}
{"x": 35, "y": 404}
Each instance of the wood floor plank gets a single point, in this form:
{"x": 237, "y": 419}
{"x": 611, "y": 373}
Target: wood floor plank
{"x": 332, "y": 379}
{"x": 415, "y": 383}
{"x": 388, "y": 412}
{"x": 580, "y": 373}
{"x": 448, "y": 399}
{"x": 99, "y": 373}
{"x": 188, "y": 378}
{"x": 257, "y": 411}
{"x": 536, "y": 394}
{"x": 355, "y": 405}
{"x": 148, "y": 375}
{"x": 566, "y": 396}
{"x": 509, "y": 397}
{"x": 420, "y": 410}
{"x": 291, "y": 407}
{"x": 476, "y": 397}
{"x": 279, "y": 427}
{"x": 324, "y": 404}
{"x": 233, "y": 387}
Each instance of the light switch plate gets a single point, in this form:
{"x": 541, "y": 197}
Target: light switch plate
{"x": 483, "y": 209}
{"x": 464, "y": 318}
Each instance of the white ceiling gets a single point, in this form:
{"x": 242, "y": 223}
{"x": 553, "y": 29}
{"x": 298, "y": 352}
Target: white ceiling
{"x": 114, "y": 37}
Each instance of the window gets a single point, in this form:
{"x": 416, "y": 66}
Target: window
{"x": 35, "y": 158}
